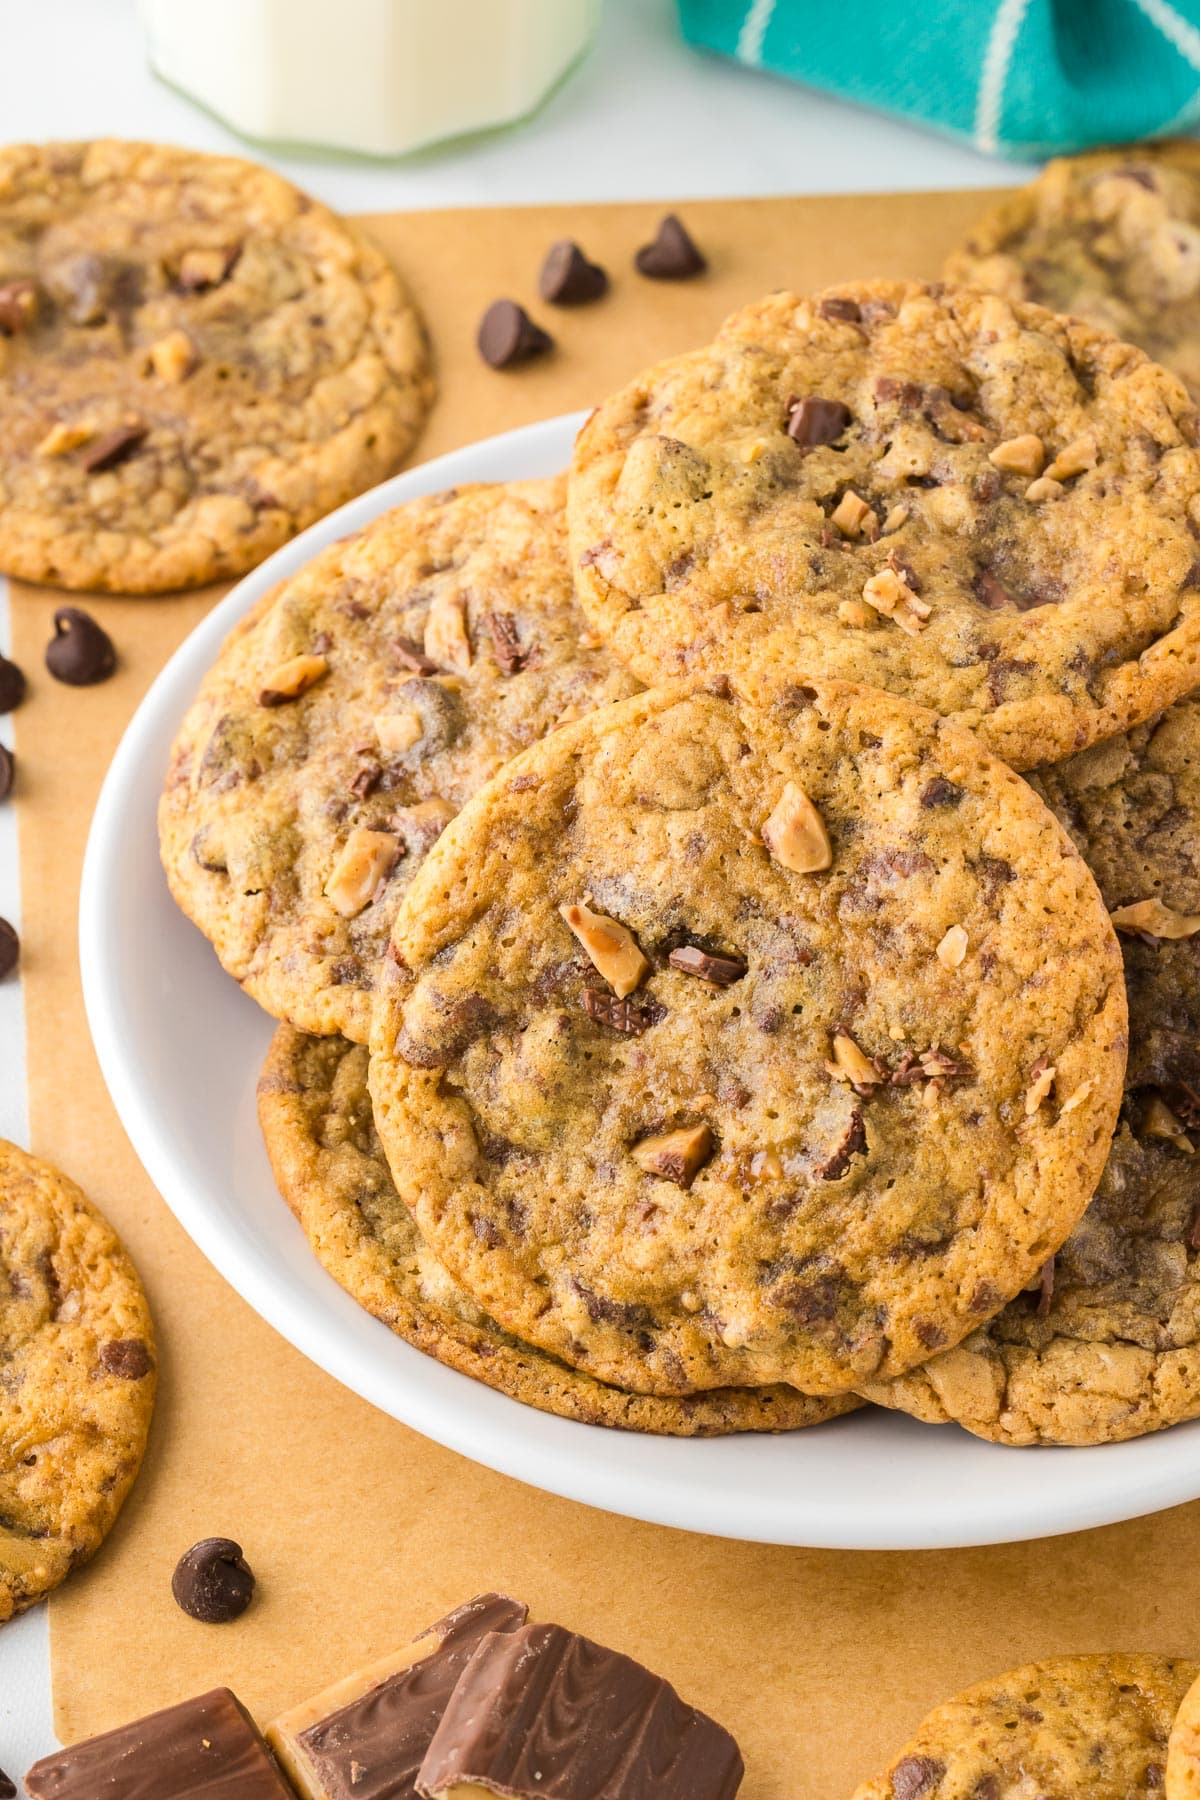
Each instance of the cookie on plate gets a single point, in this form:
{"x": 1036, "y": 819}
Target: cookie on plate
{"x": 1074, "y": 1725}
{"x": 77, "y": 1372}
{"x": 1107, "y": 1344}
{"x": 316, "y": 1118}
{"x": 1113, "y": 237}
{"x": 974, "y": 504}
{"x": 347, "y": 719}
{"x": 1183, "y": 1749}
{"x": 725, "y": 1045}
{"x": 196, "y": 361}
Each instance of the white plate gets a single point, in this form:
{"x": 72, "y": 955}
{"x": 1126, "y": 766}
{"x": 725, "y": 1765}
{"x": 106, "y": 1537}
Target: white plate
{"x": 181, "y": 1046}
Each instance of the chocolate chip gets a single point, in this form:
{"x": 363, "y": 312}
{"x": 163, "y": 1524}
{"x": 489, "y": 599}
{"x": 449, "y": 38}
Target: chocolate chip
{"x": 568, "y": 278}
{"x": 915, "y": 1777}
{"x": 940, "y": 792}
{"x": 8, "y": 771}
{"x": 8, "y": 1787}
{"x": 672, "y": 256}
{"x": 80, "y": 652}
{"x": 812, "y": 421}
{"x": 719, "y": 971}
{"x": 992, "y": 593}
{"x": 128, "y": 1358}
{"x": 18, "y": 306}
{"x": 112, "y": 447}
{"x": 621, "y": 1015}
{"x": 507, "y": 335}
{"x": 1046, "y": 1288}
{"x": 213, "y": 1581}
{"x": 409, "y": 657}
{"x": 10, "y": 949}
{"x": 506, "y": 644}
{"x": 847, "y": 311}
{"x": 12, "y": 685}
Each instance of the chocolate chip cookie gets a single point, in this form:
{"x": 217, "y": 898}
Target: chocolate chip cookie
{"x": 196, "y": 361}
{"x": 970, "y": 502}
{"x": 316, "y": 1118}
{"x": 1183, "y": 1750}
{"x": 1073, "y": 1726}
{"x": 1106, "y": 1345}
{"x": 348, "y": 718}
{"x": 727, "y": 1044}
{"x": 77, "y": 1375}
{"x": 1113, "y": 237}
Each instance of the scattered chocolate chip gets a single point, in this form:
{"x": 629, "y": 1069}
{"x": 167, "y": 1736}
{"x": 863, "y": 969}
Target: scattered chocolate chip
{"x": 812, "y": 421}
{"x": 506, "y": 644}
{"x": 213, "y": 1581}
{"x": 621, "y": 1015}
{"x": 80, "y": 652}
{"x": 8, "y": 770}
{"x": 672, "y": 256}
{"x": 112, "y": 447}
{"x": 10, "y": 949}
{"x": 12, "y": 685}
{"x": 507, "y": 335}
{"x": 8, "y": 1787}
{"x": 18, "y": 306}
{"x": 128, "y": 1358}
{"x": 568, "y": 278}
{"x": 719, "y": 971}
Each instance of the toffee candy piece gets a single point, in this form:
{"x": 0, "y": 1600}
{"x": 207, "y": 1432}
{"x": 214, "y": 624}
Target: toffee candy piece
{"x": 364, "y": 1737}
{"x": 543, "y": 1714}
{"x": 209, "y": 1746}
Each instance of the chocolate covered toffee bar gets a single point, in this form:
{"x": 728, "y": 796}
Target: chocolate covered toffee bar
{"x": 204, "y": 1749}
{"x": 542, "y": 1714}
{"x": 364, "y": 1737}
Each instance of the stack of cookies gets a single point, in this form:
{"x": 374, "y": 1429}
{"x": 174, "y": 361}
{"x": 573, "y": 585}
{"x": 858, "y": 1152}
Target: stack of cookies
{"x": 731, "y": 908}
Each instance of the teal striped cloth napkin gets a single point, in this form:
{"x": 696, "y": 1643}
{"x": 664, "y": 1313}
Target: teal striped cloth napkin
{"x": 1019, "y": 78}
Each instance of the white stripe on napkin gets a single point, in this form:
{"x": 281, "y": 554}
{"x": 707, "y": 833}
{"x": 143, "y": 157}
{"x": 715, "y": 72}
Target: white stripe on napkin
{"x": 754, "y": 30}
{"x": 996, "y": 60}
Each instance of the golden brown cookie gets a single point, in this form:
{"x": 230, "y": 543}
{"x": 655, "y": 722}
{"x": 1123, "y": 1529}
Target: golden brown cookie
{"x": 320, "y": 1135}
{"x": 1183, "y": 1749}
{"x": 196, "y": 361}
{"x": 1113, "y": 237}
{"x": 77, "y": 1377}
{"x": 727, "y": 1045}
{"x": 348, "y": 718}
{"x": 1107, "y": 1343}
{"x": 1072, "y": 1728}
{"x": 973, "y": 504}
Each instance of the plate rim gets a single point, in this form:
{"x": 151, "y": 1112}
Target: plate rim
{"x": 569, "y": 1468}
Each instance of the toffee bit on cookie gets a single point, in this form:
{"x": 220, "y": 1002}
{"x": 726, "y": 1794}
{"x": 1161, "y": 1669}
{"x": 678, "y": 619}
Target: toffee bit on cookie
{"x": 854, "y": 518}
{"x": 1076, "y": 1099}
{"x": 1074, "y": 459}
{"x": 1024, "y": 455}
{"x": 612, "y": 950}
{"x": 202, "y": 269}
{"x": 18, "y": 307}
{"x": 172, "y": 358}
{"x": 850, "y": 1063}
{"x": 890, "y": 594}
{"x": 621, "y": 1015}
{"x": 676, "y": 1156}
{"x": 952, "y": 948}
{"x": 1043, "y": 489}
{"x": 446, "y": 642}
{"x": 1158, "y": 1121}
{"x": 366, "y": 859}
{"x": 63, "y": 436}
{"x": 851, "y": 1144}
{"x": 795, "y": 833}
{"x": 673, "y": 255}
{"x": 718, "y": 971}
{"x": 766, "y": 1165}
{"x": 291, "y": 679}
{"x": 506, "y": 642}
{"x": 113, "y": 447}
{"x": 1153, "y": 919}
{"x": 1043, "y": 1073}
{"x": 399, "y": 731}
{"x": 811, "y": 421}
{"x": 896, "y": 517}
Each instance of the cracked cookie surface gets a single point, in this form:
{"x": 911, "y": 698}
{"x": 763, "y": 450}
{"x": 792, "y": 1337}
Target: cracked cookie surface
{"x": 196, "y": 361}
{"x": 316, "y": 1118}
{"x": 1072, "y": 1726}
{"x": 77, "y": 1378}
{"x": 1113, "y": 237}
{"x": 1107, "y": 1345}
{"x": 726, "y": 1044}
{"x": 348, "y": 718}
{"x": 974, "y": 504}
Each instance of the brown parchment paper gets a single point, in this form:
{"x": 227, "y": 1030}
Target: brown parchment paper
{"x": 359, "y": 1530}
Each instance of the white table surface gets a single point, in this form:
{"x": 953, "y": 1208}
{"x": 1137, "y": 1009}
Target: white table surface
{"x": 642, "y": 117}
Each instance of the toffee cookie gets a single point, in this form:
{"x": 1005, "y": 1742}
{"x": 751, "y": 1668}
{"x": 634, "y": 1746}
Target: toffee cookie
{"x": 1183, "y": 1750}
{"x": 1075, "y": 1725}
{"x": 976, "y": 505}
{"x": 348, "y": 718}
{"x": 1107, "y": 1343}
{"x": 1113, "y": 237}
{"x": 727, "y": 1045}
{"x": 77, "y": 1374}
{"x": 316, "y": 1118}
{"x": 196, "y": 361}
